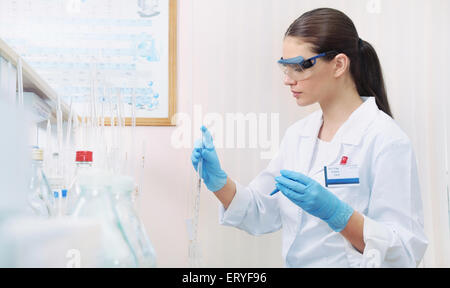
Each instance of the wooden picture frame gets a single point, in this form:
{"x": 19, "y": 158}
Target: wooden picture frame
{"x": 129, "y": 65}
{"x": 172, "y": 75}
{"x": 100, "y": 59}
{"x": 172, "y": 107}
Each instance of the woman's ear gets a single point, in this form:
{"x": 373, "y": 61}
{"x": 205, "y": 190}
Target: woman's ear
{"x": 341, "y": 65}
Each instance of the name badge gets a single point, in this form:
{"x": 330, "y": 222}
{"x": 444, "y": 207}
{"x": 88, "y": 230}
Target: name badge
{"x": 341, "y": 175}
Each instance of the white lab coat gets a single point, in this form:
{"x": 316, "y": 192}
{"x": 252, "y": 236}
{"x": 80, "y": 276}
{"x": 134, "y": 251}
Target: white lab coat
{"x": 388, "y": 195}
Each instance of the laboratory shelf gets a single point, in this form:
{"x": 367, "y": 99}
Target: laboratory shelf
{"x": 32, "y": 82}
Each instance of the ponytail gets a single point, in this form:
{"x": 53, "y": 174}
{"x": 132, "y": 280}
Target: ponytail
{"x": 331, "y": 30}
{"x": 369, "y": 81}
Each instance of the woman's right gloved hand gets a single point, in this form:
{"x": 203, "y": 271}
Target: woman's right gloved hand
{"x": 212, "y": 174}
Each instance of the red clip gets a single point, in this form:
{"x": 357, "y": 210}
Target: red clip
{"x": 344, "y": 160}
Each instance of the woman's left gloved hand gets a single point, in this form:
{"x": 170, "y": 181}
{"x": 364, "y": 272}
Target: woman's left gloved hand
{"x": 314, "y": 199}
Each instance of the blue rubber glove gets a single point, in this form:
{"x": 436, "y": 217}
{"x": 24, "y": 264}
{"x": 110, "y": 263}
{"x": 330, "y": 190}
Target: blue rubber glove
{"x": 212, "y": 174}
{"x": 314, "y": 199}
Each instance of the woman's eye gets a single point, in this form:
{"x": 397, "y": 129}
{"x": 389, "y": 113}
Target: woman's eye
{"x": 307, "y": 64}
{"x": 298, "y": 68}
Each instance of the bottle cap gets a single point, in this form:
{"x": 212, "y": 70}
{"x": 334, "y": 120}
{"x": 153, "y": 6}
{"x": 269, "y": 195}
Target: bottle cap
{"x": 84, "y": 156}
{"x": 37, "y": 154}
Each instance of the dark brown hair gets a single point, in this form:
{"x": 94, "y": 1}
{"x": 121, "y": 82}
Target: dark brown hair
{"x": 331, "y": 30}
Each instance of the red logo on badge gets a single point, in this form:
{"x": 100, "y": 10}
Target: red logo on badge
{"x": 344, "y": 160}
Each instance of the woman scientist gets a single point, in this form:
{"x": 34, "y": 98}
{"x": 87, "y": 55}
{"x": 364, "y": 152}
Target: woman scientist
{"x": 347, "y": 173}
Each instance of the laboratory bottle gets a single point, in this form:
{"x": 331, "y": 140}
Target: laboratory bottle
{"x": 131, "y": 224}
{"x": 60, "y": 200}
{"x": 83, "y": 162}
{"x": 63, "y": 204}
{"x": 56, "y": 186}
{"x": 39, "y": 192}
{"x": 96, "y": 204}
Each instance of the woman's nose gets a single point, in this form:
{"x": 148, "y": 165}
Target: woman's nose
{"x": 288, "y": 81}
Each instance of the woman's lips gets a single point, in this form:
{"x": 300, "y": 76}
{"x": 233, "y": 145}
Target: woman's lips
{"x": 296, "y": 94}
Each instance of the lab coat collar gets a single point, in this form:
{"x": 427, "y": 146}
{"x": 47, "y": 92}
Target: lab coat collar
{"x": 352, "y": 131}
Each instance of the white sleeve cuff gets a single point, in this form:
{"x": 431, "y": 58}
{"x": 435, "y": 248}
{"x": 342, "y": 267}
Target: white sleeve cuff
{"x": 378, "y": 239}
{"x": 234, "y": 215}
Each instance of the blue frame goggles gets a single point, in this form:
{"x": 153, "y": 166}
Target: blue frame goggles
{"x": 297, "y": 68}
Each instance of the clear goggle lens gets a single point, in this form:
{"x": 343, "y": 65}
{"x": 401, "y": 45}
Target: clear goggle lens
{"x": 297, "y": 71}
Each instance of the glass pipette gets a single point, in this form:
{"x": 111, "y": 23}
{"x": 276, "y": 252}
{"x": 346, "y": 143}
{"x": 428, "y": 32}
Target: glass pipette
{"x": 194, "y": 253}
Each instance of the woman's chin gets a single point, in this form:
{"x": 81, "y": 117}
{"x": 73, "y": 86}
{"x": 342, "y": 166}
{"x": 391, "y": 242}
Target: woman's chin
{"x": 303, "y": 102}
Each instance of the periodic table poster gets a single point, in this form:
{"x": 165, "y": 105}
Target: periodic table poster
{"x": 98, "y": 52}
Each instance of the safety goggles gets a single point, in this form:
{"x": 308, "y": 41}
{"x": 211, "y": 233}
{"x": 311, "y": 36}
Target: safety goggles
{"x": 298, "y": 68}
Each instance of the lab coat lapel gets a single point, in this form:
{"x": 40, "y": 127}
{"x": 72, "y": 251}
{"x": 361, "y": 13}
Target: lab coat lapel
{"x": 308, "y": 143}
{"x": 351, "y": 132}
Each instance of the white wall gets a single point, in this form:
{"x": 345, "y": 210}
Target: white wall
{"x": 226, "y": 64}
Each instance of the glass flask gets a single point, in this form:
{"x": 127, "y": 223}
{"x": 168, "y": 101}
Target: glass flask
{"x": 39, "y": 192}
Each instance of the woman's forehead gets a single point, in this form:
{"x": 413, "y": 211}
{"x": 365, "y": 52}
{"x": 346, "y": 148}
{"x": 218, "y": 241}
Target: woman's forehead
{"x": 294, "y": 47}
